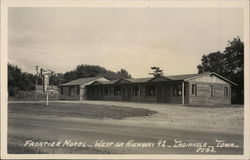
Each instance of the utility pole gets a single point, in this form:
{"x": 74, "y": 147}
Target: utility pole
{"x": 37, "y": 67}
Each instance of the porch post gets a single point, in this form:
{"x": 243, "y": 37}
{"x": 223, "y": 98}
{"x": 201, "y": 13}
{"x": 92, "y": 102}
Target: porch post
{"x": 183, "y": 91}
{"x": 139, "y": 93}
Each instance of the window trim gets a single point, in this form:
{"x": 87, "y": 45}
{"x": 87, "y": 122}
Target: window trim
{"x": 178, "y": 89}
{"x": 211, "y": 91}
{"x": 120, "y": 92}
{"x": 105, "y": 91}
{"x": 147, "y": 91}
{"x": 61, "y": 90}
{"x": 70, "y": 91}
{"x": 78, "y": 90}
{"x": 226, "y": 91}
{"x": 135, "y": 91}
{"x": 194, "y": 89}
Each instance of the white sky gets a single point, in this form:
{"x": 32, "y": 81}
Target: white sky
{"x": 131, "y": 38}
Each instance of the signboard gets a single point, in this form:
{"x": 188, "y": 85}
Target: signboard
{"x": 45, "y": 74}
{"x": 45, "y": 83}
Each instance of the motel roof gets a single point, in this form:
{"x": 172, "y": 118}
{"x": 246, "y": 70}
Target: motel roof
{"x": 148, "y": 79}
{"x": 183, "y": 77}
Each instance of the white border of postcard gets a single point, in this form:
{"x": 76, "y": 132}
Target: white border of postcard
{"x": 119, "y": 3}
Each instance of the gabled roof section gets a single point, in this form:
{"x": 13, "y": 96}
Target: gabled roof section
{"x": 81, "y": 81}
{"x": 97, "y": 82}
{"x": 210, "y": 73}
{"x": 143, "y": 80}
{"x": 139, "y": 80}
{"x": 181, "y": 77}
{"x": 120, "y": 81}
{"x": 159, "y": 79}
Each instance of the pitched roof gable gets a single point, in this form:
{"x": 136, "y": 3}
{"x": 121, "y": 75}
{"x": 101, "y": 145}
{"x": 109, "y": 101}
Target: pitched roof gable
{"x": 211, "y": 73}
{"x": 181, "y": 77}
{"x": 81, "y": 81}
{"x": 97, "y": 82}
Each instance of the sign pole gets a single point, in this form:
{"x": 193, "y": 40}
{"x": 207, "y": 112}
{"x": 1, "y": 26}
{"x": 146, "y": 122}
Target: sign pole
{"x": 37, "y": 67}
{"x": 47, "y": 98}
{"x": 45, "y": 74}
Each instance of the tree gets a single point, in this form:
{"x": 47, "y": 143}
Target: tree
{"x": 212, "y": 62}
{"x": 69, "y": 76}
{"x": 156, "y": 71}
{"x": 234, "y": 55}
{"x": 84, "y": 71}
{"x": 56, "y": 79}
{"x": 123, "y": 74}
{"x": 18, "y": 80}
{"x": 229, "y": 64}
{"x": 14, "y": 74}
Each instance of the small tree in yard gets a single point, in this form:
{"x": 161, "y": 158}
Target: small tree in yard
{"x": 157, "y": 72}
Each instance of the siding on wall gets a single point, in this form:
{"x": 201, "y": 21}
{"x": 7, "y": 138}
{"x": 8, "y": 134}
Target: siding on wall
{"x": 204, "y": 97}
{"x": 83, "y": 91}
{"x": 143, "y": 97}
{"x": 164, "y": 89}
{"x": 65, "y": 95}
{"x": 209, "y": 79}
{"x": 176, "y": 99}
{"x": 204, "y": 94}
{"x": 186, "y": 98}
{"x": 82, "y": 96}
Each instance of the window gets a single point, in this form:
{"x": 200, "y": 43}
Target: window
{"x": 150, "y": 91}
{"x": 61, "y": 90}
{"x": 71, "y": 91}
{"x": 105, "y": 91}
{"x": 226, "y": 92}
{"x": 177, "y": 90}
{"x": 117, "y": 91}
{"x": 212, "y": 91}
{"x": 78, "y": 90}
{"x": 194, "y": 89}
{"x": 135, "y": 91}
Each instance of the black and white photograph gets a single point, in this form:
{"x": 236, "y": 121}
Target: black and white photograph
{"x": 120, "y": 81}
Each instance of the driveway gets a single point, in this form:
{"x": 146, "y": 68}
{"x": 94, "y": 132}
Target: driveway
{"x": 92, "y": 131}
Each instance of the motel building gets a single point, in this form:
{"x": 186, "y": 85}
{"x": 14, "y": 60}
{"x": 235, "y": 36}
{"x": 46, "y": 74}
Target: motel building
{"x": 189, "y": 89}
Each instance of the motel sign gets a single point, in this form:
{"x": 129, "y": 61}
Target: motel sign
{"x": 46, "y": 74}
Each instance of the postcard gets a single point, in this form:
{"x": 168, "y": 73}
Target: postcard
{"x": 113, "y": 79}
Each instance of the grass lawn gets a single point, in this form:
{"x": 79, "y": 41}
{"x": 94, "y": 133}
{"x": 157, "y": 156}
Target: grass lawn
{"x": 217, "y": 118}
{"x": 78, "y": 110}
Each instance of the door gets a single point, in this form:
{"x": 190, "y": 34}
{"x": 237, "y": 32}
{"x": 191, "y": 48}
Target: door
{"x": 161, "y": 96}
{"x": 125, "y": 93}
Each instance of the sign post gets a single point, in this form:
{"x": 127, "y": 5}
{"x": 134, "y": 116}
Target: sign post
{"x": 37, "y": 67}
{"x": 47, "y": 98}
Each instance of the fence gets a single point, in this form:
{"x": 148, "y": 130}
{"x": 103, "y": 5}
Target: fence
{"x": 34, "y": 96}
